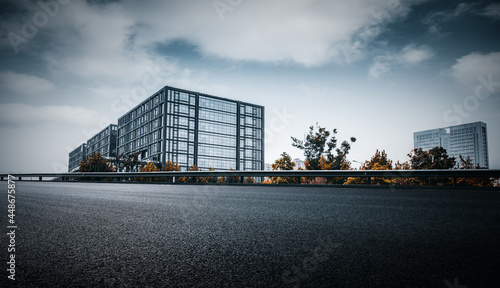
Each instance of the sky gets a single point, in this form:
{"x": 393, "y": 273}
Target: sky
{"x": 377, "y": 70}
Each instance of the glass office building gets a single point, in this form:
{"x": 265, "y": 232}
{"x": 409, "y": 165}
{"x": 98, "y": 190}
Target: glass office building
{"x": 104, "y": 142}
{"x": 191, "y": 128}
{"x": 76, "y": 156}
{"x": 468, "y": 140}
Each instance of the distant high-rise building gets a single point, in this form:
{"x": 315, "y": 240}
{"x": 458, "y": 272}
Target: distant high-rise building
{"x": 184, "y": 127}
{"x": 191, "y": 128}
{"x": 299, "y": 164}
{"x": 468, "y": 140}
{"x": 268, "y": 167}
{"x": 76, "y": 156}
{"x": 103, "y": 142}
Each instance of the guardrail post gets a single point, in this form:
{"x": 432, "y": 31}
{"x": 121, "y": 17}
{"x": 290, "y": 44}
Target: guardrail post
{"x": 242, "y": 179}
{"x": 40, "y": 178}
{"x": 20, "y": 178}
{"x": 454, "y": 180}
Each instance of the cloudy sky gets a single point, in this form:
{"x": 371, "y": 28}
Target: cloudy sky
{"x": 378, "y": 70}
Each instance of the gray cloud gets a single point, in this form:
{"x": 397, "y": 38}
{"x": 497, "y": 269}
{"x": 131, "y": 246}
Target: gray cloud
{"x": 492, "y": 10}
{"x": 410, "y": 55}
{"x": 22, "y": 114}
{"x": 309, "y": 33}
{"x": 467, "y": 70}
{"x": 24, "y": 84}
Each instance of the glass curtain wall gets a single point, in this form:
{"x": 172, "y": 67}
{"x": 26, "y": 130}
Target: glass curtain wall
{"x": 190, "y": 128}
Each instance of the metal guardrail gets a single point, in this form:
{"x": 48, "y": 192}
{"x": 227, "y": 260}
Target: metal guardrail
{"x": 457, "y": 173}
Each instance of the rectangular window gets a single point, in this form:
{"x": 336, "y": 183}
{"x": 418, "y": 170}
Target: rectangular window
{"x": 183, "y": 121}
{"x": 183, "y": 109}
{"x": 183, "y": 97}
{"x": 206, "y": 126}
{"x": 182, "y": 146}
{"x": 183, "y": 134}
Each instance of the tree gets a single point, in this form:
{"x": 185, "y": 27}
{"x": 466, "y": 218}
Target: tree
{"x": 466, "y": 163}
{"x": 95, "y": 163}
{"x": 150, "y": 167}
{"x": 435, "y": 158}
{"x": 404, "y": 180}
{"x": 232, "y": 179}
{"x": 170, "y": 166}
{"x": 129, "y": 162}
{"x": 379, "y": 161}
{"x": 322, "y": 153}
{"x": 402, "y": 166}
{"x": 249, "y": 180}
{"x": 213, "y": 179}
{"x": 318, "y": 144}
{"x": 193, "y": 179}
{"x": 207, "y": 179}
{"x": 283, "y": 164}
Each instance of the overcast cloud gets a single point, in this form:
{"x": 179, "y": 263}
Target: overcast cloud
{"x": 354, "y": 65}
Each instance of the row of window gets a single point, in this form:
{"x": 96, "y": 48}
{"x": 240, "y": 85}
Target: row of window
{"x": 204, "y": 114}
{"x": 251, "y": 121}
{"x": 152, "y": 116}
{"x": 250, "y": 165}
{"x": 103, "y": 150}
{"x": 217, "y": 104}
{"x": 428, "y": 136}
{"x": 215, "y": 151}
{"x": 154, "y": 102}
{"x": 205, "y": 126}
{"x": 207, "y": 138}
{"x": 77, "y": 153}
{"x": 250, "y": 143}
{"x": 251, "y": 154}
{"x": 250, "y": 110}
{"x": 142, "y": 132}
{"x": 217, "y": 163}
{"x": 95, "y": 147}
{"x": 179, "y": 121}
{"x": 251, "y": 132}
{"x": 130, "y": 147}
{"x": 178, "y": 96}
{"x": 463, "y": 131}
{"x": 181, "y": 134}
{"x": 218, "y": 116}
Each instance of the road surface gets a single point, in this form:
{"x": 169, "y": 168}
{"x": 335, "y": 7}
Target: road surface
{"x": 137, "y": 235}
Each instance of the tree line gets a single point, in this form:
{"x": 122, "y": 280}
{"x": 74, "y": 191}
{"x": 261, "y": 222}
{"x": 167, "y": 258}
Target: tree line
{"x": 322, "y": 151}
{"x": 131, "y": 163}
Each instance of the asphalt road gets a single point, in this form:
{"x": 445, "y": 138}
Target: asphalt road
{"x": 133, "y": 235}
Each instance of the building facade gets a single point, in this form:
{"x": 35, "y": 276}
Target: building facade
{"x": 191, "y": 128}
{"x": 299, "y": 163}
{"x": 104, "y": 142}
{"x": 76, "y": 156}
{"x": 468, "y": 140}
